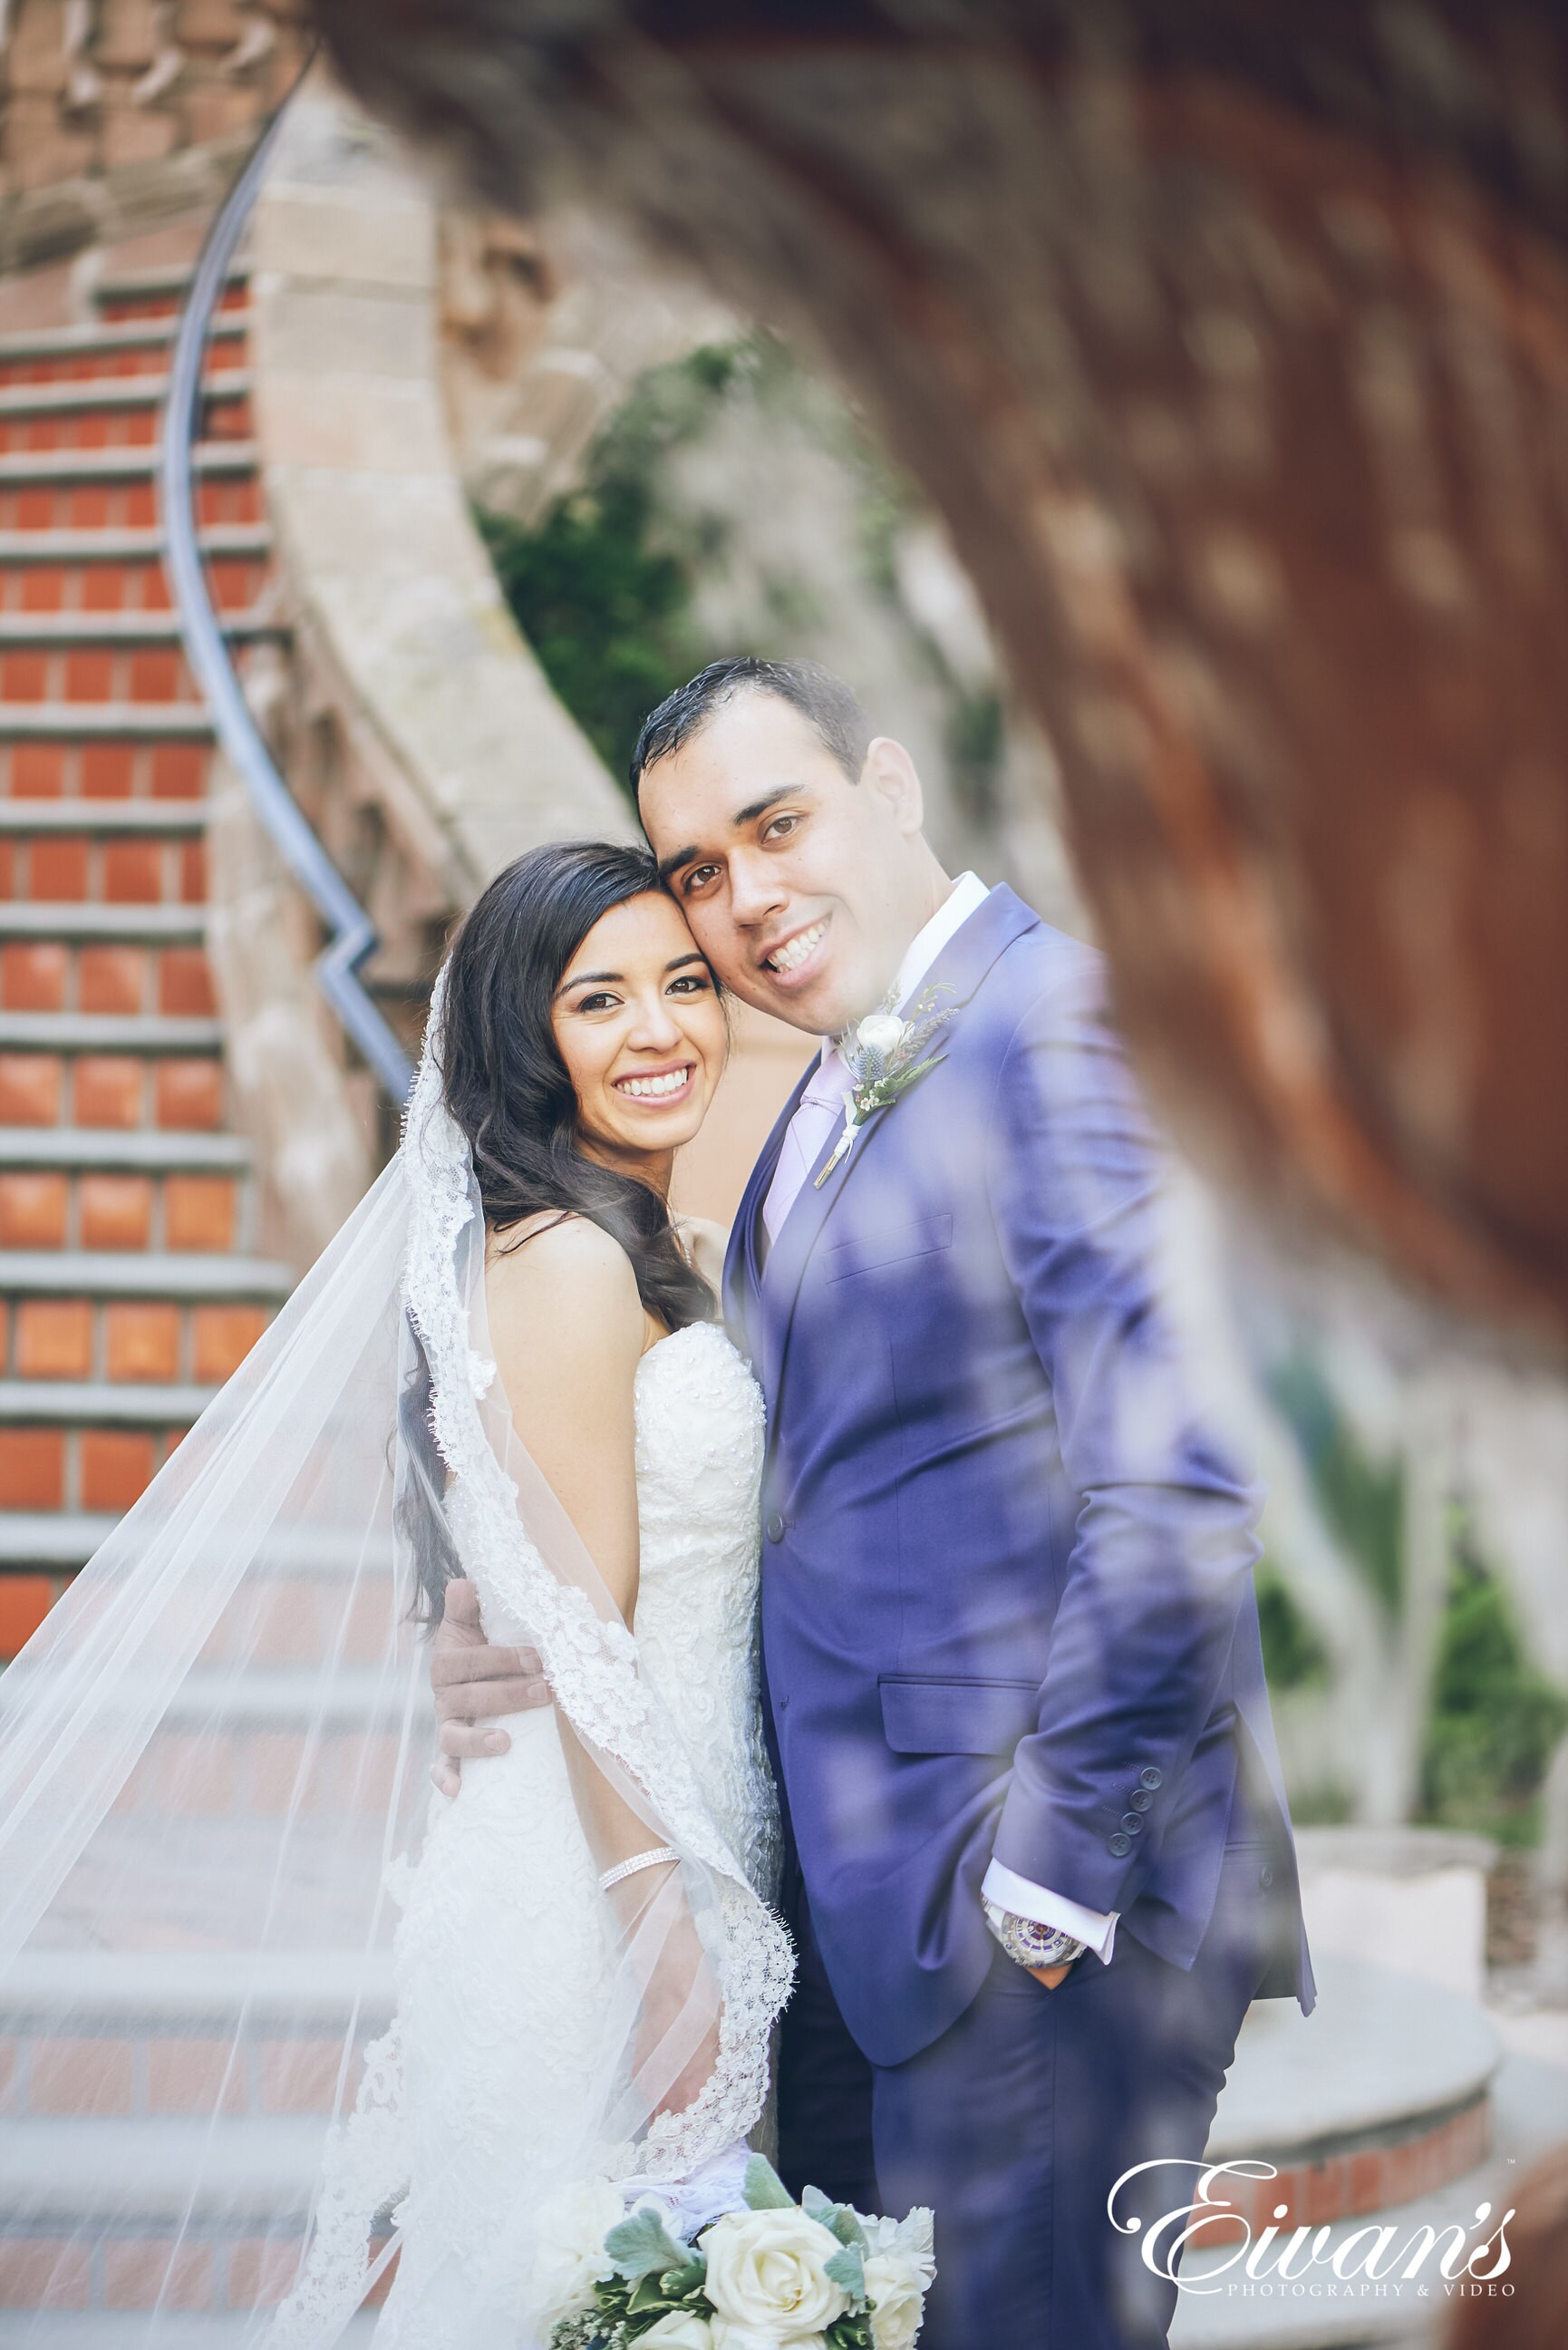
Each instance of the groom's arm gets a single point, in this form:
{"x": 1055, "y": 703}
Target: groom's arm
{"x": 1164, "y": 1544}
{"x": 473, "y": 1684}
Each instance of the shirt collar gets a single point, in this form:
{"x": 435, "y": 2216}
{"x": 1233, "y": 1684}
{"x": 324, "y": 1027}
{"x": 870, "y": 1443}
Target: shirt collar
{"x": 967, "y": 894}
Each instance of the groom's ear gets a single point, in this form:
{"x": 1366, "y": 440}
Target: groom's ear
{"x": 891, "y": 774}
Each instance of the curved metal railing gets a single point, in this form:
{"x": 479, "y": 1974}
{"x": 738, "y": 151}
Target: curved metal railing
{"x": 353, "y": 935}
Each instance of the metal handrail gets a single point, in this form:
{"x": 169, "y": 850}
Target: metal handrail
{"x": 353, "y": 935}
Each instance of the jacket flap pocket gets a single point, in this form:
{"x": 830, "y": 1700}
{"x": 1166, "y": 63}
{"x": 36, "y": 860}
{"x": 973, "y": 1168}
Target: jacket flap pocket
{"x": 920, "y": 1717}
{"x": 889, "y": 1244}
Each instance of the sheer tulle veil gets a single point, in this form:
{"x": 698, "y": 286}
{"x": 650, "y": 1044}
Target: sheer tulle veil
{"x": 214, "y": 1783}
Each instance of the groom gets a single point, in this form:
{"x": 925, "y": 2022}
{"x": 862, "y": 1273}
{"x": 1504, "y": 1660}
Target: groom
{"x": 1040, "y": 1860}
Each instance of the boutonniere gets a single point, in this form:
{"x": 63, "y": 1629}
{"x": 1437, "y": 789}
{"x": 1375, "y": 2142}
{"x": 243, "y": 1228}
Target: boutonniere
{"x": 885, "y": 1056}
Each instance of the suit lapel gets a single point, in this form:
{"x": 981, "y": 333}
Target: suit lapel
{"x": 961, "y": 967}
{"x": 742, "y": 1258}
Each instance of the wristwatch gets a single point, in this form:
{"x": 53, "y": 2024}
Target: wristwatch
{"x": 1029, "y": 1944}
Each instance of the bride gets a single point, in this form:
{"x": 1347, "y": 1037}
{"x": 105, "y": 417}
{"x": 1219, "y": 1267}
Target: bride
{"x": 505, "y": 1387}
{"x": 582, "y": 1037}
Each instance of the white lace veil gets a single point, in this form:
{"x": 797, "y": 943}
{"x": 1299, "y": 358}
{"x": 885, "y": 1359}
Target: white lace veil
{"x": 213, "y": 1776}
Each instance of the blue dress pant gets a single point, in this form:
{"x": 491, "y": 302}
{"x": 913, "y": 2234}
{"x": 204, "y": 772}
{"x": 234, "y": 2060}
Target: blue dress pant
{"x": 1016, "y": 2123}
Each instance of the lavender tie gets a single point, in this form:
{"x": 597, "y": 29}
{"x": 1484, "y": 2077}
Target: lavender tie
{"x": 819, "y": 1114}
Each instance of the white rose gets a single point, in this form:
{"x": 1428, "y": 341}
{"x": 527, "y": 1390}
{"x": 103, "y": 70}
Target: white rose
{"x": 897, "y": 2291}
{"x": 680, "y": 2331}
{"x": 569, "y": 2255}
{"x": 767, "y": 2277}
{"x": 880, "y": 1032}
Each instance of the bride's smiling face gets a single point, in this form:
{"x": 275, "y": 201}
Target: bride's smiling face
{"x": 639, "y": 1026}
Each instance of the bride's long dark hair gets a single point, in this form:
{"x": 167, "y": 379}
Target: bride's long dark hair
{"x": 507, "y": 1085}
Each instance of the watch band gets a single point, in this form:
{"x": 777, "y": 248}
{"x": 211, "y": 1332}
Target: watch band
{"x": 1029, "y": 1944}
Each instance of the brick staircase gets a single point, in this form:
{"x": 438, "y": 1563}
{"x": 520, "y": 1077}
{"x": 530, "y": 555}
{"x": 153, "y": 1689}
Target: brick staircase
{"x": 130, "y": 1289}
{"x": 128, "y": 1282}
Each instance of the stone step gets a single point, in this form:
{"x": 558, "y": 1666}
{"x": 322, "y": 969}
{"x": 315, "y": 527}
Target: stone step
{"x": 28, "y": 468}
{"x": 158, "y": 282}
{"x": 136, "y": 1989}
{"x": 61, "y": 1541}
{"x": 48, "y": 631}
{"x": 75, "y": 1033}
{"x": 218, "y": 540}
{"x": 46, "y": 1541}
{"x": 107, "y": 721}
{"x": 99, "y": 1403}
{"x": 97, "y": 395}
{"x": 94, "y": 816}
{"x": 105, "y": 335}
{"x": 141, "y": 1272}
{"x": 149, "y": 2173}
{"x": 97, "y": 924}
{"x": 132, "y": 1151}
{"x": 279, "y": 1696}
{"x": 1386, "y": 2082}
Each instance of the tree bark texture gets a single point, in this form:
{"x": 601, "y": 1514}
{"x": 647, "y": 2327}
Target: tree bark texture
{"x": 1231, "y": 340}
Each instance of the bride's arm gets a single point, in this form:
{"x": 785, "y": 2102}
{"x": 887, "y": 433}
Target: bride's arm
{"x": 567, "y": 1330}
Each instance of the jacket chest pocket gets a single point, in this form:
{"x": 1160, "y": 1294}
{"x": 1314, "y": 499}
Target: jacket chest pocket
{"x": 890, "y": 1244}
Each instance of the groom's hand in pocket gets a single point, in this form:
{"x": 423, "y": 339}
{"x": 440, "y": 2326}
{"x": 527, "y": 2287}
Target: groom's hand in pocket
{"x": 473, "y": 1684}
{"x": 1052, "y": 1976}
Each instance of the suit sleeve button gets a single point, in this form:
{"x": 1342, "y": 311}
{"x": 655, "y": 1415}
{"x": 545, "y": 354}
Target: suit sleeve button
{"x": 1140, "y": 1799}
{"x": 774, "y": 1528}
{"x": 1133, "y": 1825}
{"x": 1119, "y": 1845}
{"x": 1151, "y": 1776}
{"x": 1265, "y": 1877}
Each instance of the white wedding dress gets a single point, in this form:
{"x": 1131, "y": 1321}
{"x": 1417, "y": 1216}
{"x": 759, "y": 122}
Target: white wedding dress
{"x": 503, "y": 1968}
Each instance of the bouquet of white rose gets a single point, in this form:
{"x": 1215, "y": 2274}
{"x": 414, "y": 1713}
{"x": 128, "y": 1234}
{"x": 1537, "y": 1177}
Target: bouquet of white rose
{"x": 778, "y": 2275}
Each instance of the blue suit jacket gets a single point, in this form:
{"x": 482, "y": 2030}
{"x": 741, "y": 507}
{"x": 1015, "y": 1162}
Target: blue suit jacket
{"x": 1007, "y": 1597}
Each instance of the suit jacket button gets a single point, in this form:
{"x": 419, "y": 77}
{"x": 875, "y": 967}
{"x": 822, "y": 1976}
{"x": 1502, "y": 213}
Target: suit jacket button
{"x": 1140, "y": 1799}
{"x": 1151, "y": 1776}
{"x": 774, "y": 1528}
{"x": 1118, "y": 1845}
{"x": 1265, "y": 1877}
{"x": 1133, "y": 1825}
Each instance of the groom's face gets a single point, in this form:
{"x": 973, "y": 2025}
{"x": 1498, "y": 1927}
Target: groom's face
{"x": 802, "y": 888}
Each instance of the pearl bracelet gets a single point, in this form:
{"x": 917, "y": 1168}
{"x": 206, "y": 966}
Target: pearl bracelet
{"x": 653, "y": 1859}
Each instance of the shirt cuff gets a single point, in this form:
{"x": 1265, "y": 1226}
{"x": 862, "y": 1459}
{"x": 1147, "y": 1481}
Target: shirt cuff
{"x": 1010, "y": 1891}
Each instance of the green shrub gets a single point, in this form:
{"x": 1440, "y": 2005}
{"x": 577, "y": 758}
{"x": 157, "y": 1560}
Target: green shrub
{"x": 1495, "y": 1719}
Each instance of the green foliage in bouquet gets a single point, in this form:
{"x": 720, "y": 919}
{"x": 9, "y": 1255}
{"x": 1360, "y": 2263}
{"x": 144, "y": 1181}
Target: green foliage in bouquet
{"x": 656, "y": 2276}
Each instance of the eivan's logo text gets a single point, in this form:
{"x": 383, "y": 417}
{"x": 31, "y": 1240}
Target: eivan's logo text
{"x": 1302, "y": 2260}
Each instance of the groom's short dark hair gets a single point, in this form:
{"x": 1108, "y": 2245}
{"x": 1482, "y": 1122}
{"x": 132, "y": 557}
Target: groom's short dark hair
{"x": 829, "y": 706}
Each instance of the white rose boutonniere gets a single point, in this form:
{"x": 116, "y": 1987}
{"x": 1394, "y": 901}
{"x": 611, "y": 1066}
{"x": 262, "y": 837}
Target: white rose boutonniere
{"x": 886, "y": 1054}
{"x": 767, "y": 2277}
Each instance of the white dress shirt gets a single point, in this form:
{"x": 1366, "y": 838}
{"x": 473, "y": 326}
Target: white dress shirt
{"x": 820, "y": 1110}
{"x": 819, "y": 1114}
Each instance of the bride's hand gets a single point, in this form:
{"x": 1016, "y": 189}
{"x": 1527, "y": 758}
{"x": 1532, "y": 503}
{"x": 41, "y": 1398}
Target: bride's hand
{"x": 473, "y": 1684}
{"x": 680, "y": 1974}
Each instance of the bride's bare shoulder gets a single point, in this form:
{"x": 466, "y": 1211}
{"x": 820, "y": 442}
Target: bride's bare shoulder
{"x": 571, "y": 1271}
